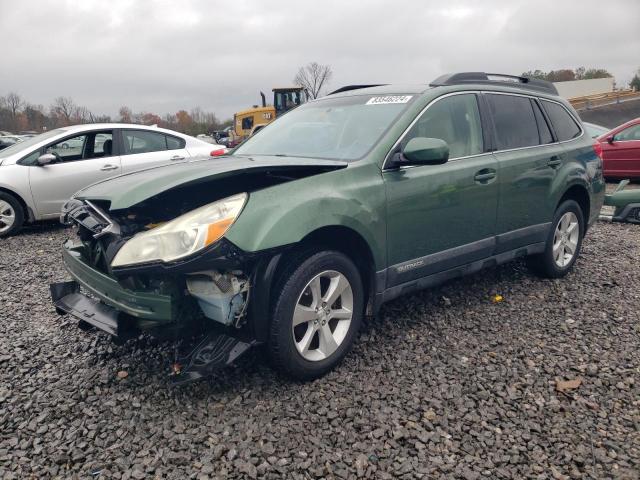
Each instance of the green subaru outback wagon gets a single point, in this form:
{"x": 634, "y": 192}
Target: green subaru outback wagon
{"x": 340, "y": 205}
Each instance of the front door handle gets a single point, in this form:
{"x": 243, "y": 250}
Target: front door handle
{"x": 175, "y": 158}
{"x": 108, "y": 167}
{"x": 484, "y": 176}
{"x": 554, "y": 161}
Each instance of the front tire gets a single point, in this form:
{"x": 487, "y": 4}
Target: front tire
{"x": 318, "y": 308}
{"x": 563, "y": 242}
{"x": 11, "y": 215}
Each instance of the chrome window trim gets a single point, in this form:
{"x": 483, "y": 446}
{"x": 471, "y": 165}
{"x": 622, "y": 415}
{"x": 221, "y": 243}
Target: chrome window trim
{"x": 623, "y": 141}
{"x": 462, "y": 92}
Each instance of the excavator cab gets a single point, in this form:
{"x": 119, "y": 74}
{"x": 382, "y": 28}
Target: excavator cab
{"x": 284, "y": 99}
{"x": 248, "y": 122}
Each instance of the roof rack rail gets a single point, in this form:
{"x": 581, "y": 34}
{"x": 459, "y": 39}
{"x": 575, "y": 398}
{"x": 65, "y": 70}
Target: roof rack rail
{"x": 495, "y": 79}
{"x": 355, "y": 87}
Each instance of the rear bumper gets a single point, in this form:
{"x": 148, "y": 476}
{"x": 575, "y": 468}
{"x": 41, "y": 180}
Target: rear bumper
{"x": 146, "y": 309}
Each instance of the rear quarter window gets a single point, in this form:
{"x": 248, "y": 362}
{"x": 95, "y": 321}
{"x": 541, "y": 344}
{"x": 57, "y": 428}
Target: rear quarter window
{"x": 563, "y": 123}
{"x": 514, "y": 121}
{"x": 174, "y": 143}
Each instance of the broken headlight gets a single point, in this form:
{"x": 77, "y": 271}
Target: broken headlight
{"x": 182, "y": 236}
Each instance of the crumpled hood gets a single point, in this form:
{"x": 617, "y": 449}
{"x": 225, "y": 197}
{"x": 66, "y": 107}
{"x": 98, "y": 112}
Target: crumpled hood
{"x": 130, "y": 189}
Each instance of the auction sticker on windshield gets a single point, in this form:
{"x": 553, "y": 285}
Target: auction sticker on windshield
{"x": 389, "y": 99}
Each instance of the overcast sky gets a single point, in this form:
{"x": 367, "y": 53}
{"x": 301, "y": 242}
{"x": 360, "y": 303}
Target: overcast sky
{"x": 163, "y": 55}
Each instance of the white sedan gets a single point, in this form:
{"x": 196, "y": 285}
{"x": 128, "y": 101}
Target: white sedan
{"x": 39, "y": 174}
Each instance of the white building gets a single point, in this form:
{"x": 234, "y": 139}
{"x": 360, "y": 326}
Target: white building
{"x": 582, "y": 88}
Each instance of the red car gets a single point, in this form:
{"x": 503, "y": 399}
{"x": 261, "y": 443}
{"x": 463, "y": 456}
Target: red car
{"x": 621, "y": 151}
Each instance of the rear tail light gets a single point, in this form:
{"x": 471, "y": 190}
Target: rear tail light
{"x": 597, "y": 148}
{"x": 218, "y": 153}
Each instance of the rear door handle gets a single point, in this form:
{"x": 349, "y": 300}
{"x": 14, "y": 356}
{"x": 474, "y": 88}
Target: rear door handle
{"x": 554, "y": 161}
{"x": 485, "y": 175}
{"x": 175, "y": 158}
{"x": 108, "y": 167}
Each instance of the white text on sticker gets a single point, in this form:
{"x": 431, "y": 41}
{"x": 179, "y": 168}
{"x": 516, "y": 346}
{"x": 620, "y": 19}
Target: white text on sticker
{"x": 389, "y": 99}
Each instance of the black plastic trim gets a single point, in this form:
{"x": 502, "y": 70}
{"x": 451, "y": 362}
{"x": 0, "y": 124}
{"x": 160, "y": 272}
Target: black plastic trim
{"x": 260, "y": 301}
{"x": 483, "y": 79}
{"x": 439, "y": 261}
{"x": 348, "y": 88}
{"x": 521, "y": 237}
{"x": 462, "y": 270}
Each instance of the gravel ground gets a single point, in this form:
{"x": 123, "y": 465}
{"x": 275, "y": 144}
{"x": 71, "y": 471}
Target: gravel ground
{"x": 443, "y": 383}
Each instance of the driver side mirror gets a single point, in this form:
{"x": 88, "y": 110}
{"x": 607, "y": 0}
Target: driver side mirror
{"x": 610, "y": 139}
{"x": 425, "y": 151}
{"x": 46, "y": 159}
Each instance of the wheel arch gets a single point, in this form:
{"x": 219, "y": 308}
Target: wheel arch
{"x": 578, "y": 193}
{"x": 29, "y": 216}
{"x": 351, "y": 243}
{"x": 336, "y": 237}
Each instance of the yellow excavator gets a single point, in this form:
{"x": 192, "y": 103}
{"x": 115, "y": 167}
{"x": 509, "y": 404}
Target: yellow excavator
{"x": 247, "y": 122}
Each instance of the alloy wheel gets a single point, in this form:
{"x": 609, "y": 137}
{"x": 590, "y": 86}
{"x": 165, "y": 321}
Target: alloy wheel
{"x": 565, "y": 239}
{"x": 7, "y": 216}
{"x": 322, "y": 315}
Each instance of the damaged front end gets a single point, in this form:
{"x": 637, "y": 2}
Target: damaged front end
{"x": 626, "y": 204}
{"x": 205, "y": 295}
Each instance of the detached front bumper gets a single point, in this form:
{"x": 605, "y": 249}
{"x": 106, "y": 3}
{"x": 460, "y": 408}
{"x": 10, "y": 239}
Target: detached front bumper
{"x": 113, "y": 308}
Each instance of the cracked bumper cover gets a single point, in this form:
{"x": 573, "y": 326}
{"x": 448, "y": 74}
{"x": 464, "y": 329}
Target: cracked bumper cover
{"x": 114, "y": 307}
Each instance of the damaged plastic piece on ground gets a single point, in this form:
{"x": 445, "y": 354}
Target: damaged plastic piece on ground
{"x": 626, "y": 204}
{"x": 215, "y": 351}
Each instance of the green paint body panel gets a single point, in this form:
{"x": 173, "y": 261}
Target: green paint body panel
{"x": 132, "y": 188}
{"x": 402, "y": 214}
{"x": 623, "y": 198}
{"x": 353, "y": 197}
{"x": 141, "y": 305}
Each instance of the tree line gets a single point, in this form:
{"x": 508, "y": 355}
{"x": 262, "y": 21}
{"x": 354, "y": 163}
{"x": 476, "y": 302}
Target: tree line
{"x": 18, "y": 115}
{"x": 567, "y": 74}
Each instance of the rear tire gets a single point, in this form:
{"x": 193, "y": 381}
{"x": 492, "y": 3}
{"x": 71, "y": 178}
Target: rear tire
{"x": 318, "y": 307}
{"x": 11, "y": 215}
{"x": 563, "y": 242}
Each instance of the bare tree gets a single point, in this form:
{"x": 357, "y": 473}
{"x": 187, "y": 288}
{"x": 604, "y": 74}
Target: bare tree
{"x": 14, "y": 102}
{"x": 64, "y": 108}
{"x": 125, "y": 114}
{"x": 313, "y": 77}
{"x": 82, "y": 115}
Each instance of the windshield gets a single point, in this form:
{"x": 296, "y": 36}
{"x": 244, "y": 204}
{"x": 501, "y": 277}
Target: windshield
{"x": 342, "y": 128}
{"x": 29, "y": 142}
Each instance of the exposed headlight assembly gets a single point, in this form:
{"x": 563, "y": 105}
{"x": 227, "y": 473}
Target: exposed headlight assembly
{"x": 183, "y": 236}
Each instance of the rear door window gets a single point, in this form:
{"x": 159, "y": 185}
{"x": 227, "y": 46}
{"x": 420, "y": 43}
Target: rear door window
{"x": 543, "y": 127}
{"x": 142, "y": 141}
{"x": 563, "y": 123}
{"x": 514, "y": 121}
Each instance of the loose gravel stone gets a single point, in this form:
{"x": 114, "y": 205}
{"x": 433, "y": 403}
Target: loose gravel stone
{"x": 443, "y": 383}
